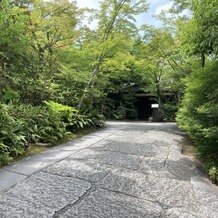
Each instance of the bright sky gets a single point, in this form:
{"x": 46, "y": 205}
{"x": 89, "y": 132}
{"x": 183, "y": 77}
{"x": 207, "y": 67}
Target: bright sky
{"x": 155, "y": 8}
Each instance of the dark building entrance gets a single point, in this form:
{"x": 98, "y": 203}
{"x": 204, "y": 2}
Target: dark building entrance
{"x": 144, "y": 107}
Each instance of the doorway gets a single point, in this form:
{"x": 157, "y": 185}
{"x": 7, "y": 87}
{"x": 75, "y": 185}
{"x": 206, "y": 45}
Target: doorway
{"x": 144, "y": 107}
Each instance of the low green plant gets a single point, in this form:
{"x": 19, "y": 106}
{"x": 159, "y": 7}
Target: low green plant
{"x": 64, "y": 111}
{"x": 25, "y": 124}
{"x": 97, "y": 119}
{"x": 212, "y": 169}
{"x": 73, "y": 119}
{"x": 12, "y": 139}
{"x": 41, "y": 123}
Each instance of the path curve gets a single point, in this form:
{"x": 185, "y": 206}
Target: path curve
{"x": 128, "y": 169}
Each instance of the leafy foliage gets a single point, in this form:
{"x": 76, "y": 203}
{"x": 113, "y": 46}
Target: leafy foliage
{"x": 12, "y": 137}
{"x": 170, "y": 110}
{"x": 198, "y": 114}
{"x": 22, "y": 125}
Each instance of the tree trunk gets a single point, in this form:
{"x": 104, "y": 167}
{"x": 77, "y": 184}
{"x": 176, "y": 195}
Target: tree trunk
{"x": 158, "y": 93}
{"x": 88, "y": 85}
{"x": 202, "y": 59}
{"x": 91, "y": 95}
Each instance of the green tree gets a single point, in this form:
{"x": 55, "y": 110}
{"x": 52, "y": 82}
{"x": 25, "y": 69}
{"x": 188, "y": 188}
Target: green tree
{"x": 115, "y": 16}
{"x": 32, "y": 32}
{"x": 163, "y": 63}
{"x": 13, "y": 43}
{"x": 200, "y": 31}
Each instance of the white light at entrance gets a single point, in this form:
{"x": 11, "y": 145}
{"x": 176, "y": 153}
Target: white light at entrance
{"x": 155, "y": 106}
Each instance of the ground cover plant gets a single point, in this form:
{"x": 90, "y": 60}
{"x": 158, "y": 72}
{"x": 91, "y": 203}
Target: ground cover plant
{"x": 25, "y": 125}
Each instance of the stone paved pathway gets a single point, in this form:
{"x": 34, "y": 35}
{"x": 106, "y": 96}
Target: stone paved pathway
{"x": 125, "y": 170}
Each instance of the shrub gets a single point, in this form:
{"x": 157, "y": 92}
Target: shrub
{"x": 97, "y": 119}
{"x": 198, "y": 114}
{"x": 24, "y": 124}
{"x": 65, "y": 112}
{"x": 12, "y": 139}
{"x": 170, "y": 111}
{"x": 211, "y": 166}
{"x": 73, "y": 119}
{"x": 40, "y": 123}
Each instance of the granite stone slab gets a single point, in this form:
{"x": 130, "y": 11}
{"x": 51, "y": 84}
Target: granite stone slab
{"x": 101, "y": 144}
{"x": 110, "y": 157}
{"x": 181, "y": 213}
{"x": 181, "y": 170}
{"x": 80, "y": 168}
{"x": 9, "y": 179}
{"x": 105, "y": 204}
{"x": 33, "y": 164}
{"x": 131, "y": 147}
{"x": 41, "y": 195}
{"x": 134, "y": 136}
{"x": 207, "y": 196}
{"x": 168, "y": 192}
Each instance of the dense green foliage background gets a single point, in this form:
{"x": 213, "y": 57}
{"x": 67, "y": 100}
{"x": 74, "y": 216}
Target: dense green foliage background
{"x": 58, "y": 75}
{"x": 198, "y": 113}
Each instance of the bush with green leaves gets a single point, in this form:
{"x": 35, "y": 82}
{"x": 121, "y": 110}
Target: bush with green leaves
{"x": 170, "y": 110}
{"x": 22, "y": 125}
{"x": 73, "y": 119}
{"x": 40, "y": 123}
{"x": 198, "y": 114}
{"x": 97, "y": 119}
{"x": 12, "y": 137}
